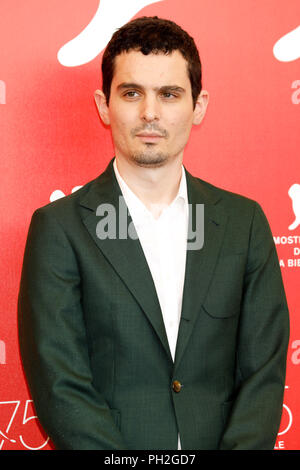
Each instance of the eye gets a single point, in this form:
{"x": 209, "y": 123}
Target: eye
{"x": 168, "y": 95}
{"x": 131, "y": 94}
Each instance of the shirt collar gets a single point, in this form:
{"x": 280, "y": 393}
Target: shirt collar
{"x": 136, "y": 206}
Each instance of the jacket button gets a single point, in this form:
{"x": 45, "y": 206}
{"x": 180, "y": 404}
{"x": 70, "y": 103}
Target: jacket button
{"x": 176, "y": 385}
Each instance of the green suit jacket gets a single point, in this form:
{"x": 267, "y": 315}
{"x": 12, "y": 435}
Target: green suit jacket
{"x": 94, "y": 345}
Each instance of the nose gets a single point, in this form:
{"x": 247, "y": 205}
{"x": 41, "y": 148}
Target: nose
{"x": 150, "y": 109}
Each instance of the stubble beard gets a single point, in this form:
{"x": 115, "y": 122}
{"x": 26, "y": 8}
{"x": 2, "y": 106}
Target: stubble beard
{"x": 150, "y": 159}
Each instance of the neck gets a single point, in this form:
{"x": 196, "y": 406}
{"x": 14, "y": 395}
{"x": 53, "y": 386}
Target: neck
{"x": 155, "y": 187}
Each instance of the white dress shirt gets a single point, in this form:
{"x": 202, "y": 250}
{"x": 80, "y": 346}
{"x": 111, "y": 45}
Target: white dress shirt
{"x": 164, "y": 242}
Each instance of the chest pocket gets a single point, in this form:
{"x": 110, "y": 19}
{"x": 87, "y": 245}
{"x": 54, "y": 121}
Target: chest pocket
{"x": 224, "y": 296}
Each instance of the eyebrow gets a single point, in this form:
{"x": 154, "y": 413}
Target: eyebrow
{"x": 164, "y": 88}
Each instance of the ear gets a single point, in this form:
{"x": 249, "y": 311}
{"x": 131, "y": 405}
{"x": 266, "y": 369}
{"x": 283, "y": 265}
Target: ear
{"x": 200, "y": 107}
{"x": 102, "y": 106}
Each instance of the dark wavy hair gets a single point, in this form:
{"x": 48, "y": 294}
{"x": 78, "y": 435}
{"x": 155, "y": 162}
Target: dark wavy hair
{"x": 152, "y": 35}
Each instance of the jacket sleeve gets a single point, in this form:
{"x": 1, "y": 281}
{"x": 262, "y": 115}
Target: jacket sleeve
{"x": 53, "y": 343}
{"x": 262, "y": 347}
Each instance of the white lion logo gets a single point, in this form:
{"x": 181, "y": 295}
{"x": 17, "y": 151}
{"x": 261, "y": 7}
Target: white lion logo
{"x": 287, "y": 48}
{"x": 58, "y": 193}
{"x": 110, "y": 15}
{"x": 294, "y": 193}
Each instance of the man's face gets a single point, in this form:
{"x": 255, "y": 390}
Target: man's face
{"x": 151, "y": 108}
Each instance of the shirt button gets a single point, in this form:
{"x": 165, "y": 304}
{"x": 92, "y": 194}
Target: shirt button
{"x": 176, "y": 385}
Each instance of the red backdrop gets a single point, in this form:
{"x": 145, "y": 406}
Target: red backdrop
{"x": 52, "y": 140}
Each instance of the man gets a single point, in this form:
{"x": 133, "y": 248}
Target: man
{"x": 161, "y": 328}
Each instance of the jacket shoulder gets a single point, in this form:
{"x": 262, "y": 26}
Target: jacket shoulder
{"x": 68, "y": 203}
{"x": 226, "y": 197}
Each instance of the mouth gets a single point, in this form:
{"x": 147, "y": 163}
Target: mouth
{"x": 144, "y": 137}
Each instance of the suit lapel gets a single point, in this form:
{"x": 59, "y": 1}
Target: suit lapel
{"x": 125, "y": 255}
{"x": 127, "y": 258}
{"x": 200, "y": 263}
